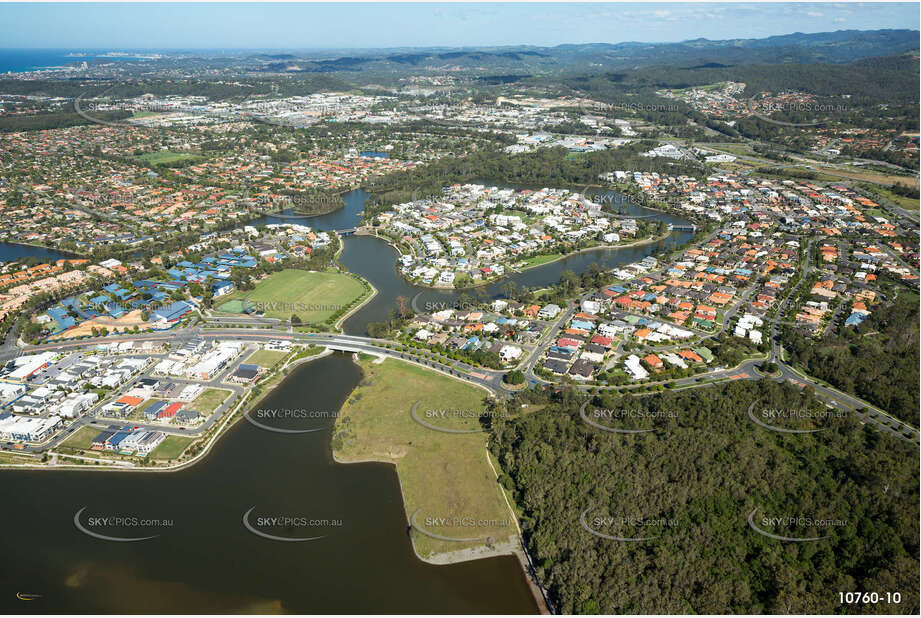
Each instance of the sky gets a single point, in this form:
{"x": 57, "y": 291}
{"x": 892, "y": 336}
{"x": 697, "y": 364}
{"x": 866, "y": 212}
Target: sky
{"x": 371, "y": 25}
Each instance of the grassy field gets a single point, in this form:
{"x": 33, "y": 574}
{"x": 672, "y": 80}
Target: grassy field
{"x": 537, "y": 260}
{"x": 266, "y": 358}
{"x": 164, "y": 157}
{"x": 208, "y": 401}
{"x": 900, "y": 200}
{"x": 312, "y": 296}
{"x": 445, "y": 475}
{"x": 82, "y": 439}
{"x": 171, "y": 447}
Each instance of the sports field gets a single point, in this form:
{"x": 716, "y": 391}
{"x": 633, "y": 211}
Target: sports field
{"x": 312, "y": 296}
{"x": 165, "y": 157}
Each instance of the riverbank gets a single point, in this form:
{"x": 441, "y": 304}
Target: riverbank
{"x": 367, "y": 299}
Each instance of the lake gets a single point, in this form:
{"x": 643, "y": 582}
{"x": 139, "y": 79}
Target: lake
{"x": 206, "y": 561}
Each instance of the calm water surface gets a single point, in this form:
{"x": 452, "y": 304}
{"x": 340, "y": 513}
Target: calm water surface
{"x": 206, "y": 561}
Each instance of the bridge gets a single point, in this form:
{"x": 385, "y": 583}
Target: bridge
{"x": 282, "y": 215}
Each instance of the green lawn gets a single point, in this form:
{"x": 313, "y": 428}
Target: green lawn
{"x": 537, "y": 260}
{"x": 82, "y": 440}
{"x": 313, "y": 296}
{"x": 443, "y": 474}
{"x": 266, "y": 358}
{"x": 164, "y": 157}
{"x": 208, "y": 401}
{"x": 171, "y": 447}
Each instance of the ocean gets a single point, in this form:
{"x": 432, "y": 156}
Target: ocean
{"x": 22, "y": 60}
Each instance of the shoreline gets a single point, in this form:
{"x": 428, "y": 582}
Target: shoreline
{"x": 353, "y": 310}
{"x": 510, "y": 546}
{"x": 22, "y": 243}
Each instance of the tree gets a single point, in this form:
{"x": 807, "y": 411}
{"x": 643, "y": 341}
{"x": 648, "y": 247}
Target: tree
{"x": 514, "y": 377}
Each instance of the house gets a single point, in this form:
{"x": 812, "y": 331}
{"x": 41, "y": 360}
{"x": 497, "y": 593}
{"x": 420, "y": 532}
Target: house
{"x": 633, "y": 366}
{"x": 556, "y": 366}
{"x": 549, "y": 312}
{"x": 705, "y": 354}
{"x": 245, "y": 373}
{"x": 154, "y": 409}
{"x": 582, "y": 369}
{"x": 172, "y": 313}
{"x": 591, "y": 306}
{"x": 149, "y": 442}
{"x": 220, "y": 288}
{"x": 169, "y": 411}
{"x": 99, "y": 442}
{"x": 508, "y": 353}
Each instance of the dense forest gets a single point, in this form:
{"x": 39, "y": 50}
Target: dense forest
{"x": 690, "y": 488}
{"x": 876, "y": 360}
{"x": 546, "y": 167}
{"x": 885, "y": 79}
{"x": 873, "y": 92}
{"x": 54, "y": 120}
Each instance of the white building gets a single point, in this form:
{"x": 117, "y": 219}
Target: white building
{"x": 632, "y": 363}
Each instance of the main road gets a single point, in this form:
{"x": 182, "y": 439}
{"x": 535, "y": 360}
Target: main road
{"x": 493, "y": 380}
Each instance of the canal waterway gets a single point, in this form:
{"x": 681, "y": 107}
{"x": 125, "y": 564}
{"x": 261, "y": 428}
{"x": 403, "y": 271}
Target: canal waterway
{"x": 207, "y": 561}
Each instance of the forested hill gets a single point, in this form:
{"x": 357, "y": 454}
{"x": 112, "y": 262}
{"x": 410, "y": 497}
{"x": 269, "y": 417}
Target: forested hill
{"x": 841, "y": 46}
{"x": 693, "y": 484}
{"x": 895, "y": 77}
